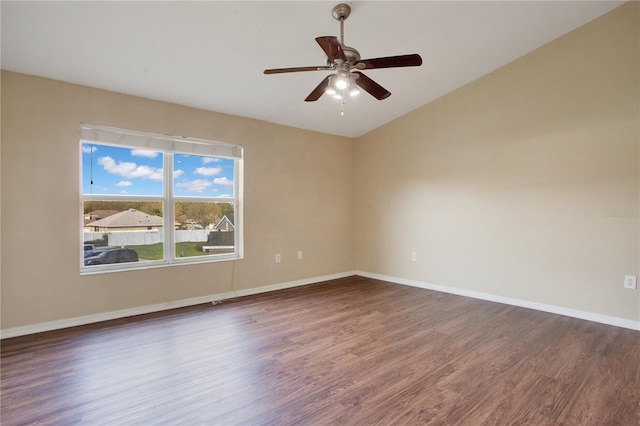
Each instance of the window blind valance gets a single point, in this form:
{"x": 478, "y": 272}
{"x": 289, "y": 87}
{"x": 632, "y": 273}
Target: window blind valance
{"x": 158, "y": 142}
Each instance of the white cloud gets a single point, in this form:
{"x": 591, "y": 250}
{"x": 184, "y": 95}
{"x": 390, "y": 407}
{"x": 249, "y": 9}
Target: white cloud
{"x": 123, "y": 192}
{"x": 208, "y": 171}
{"x": 88, "y": 149}
{"x": 223, "y": 181}
{"x": 207, "y": 160}
{"x": 123, "y": 183}
{"x": 177, "y": 173}
{"x": 225, "y": 195}
{"x": 144, "y": 153}
{"x": 198, "y": 185}
{"x": 130, "y": 170}
{"x": 146, "y": 172}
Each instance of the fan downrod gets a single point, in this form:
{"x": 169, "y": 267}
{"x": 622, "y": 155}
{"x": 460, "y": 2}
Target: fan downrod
{"x": 341, "y": 12}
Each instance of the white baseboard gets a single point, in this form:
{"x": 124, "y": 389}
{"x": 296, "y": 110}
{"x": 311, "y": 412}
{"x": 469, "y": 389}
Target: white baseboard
{"x": 290, "y": 284}
{"x": 88, "y": 319}
{"x": 589, "y": 316}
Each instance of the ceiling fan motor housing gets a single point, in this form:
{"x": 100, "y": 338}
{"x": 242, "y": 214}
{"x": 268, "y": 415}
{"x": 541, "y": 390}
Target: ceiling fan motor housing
{"x": 352, "y": 54}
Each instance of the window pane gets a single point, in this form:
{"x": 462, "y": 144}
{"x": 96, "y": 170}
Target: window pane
{"x": 114, "y": 170}
{"x": 111, "y": 226}
{"x": 200, "y": 176}
{"x": 204, "y": 228}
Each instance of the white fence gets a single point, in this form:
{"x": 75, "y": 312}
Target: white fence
{"x": 139, "y": 238}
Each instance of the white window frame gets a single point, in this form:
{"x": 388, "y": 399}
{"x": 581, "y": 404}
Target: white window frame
{"x": 168, "y": 145}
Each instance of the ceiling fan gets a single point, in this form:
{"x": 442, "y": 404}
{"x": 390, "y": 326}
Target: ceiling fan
{"x": 346, "y": 65}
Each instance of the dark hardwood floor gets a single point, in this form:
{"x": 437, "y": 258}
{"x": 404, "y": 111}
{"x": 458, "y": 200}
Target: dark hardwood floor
{"x": 353, "y": 351}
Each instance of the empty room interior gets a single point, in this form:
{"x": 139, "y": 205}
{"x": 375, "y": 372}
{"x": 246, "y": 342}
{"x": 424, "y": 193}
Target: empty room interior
{"x": 452, "y": 236}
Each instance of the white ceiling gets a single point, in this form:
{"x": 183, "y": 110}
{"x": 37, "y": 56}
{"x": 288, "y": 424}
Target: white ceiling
{"x": 211, "y": 55}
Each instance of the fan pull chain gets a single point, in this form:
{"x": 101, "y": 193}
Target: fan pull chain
{"x": 91, "y": 172}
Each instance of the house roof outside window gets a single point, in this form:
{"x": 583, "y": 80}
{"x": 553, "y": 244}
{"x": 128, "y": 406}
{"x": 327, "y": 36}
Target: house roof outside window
{"x": 225, "y": 224}
{"x": 131, "y": 218}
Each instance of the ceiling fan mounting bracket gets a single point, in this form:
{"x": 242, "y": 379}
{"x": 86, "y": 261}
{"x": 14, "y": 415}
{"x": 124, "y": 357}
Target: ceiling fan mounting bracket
{"x": 341, "y": 11}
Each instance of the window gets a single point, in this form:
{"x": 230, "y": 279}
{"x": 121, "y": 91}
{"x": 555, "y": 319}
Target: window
{"x": 155, "y": 200}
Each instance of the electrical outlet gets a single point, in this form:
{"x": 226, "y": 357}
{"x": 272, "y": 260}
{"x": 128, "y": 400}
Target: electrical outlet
{"x": 278, "y": 258}
{"x": 630, "y": 281}
{"x": 414, "y": 256}
{"x": 299, "y": 254}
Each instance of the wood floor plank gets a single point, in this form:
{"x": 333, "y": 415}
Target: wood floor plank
{"x": 349, "y": 351}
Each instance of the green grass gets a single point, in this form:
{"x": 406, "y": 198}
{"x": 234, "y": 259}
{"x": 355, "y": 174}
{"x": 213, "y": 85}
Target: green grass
{"x": 154, "y": 251}
{"x": 190, "y": 249}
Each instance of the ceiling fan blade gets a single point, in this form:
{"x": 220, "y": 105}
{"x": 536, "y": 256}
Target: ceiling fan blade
{"x": 391, "y": 62}
{"x": 371, "y": 86}
{"x": 296, "y": 69}
{"x": 332, "y": 48}
{"x": 318, "y": 91}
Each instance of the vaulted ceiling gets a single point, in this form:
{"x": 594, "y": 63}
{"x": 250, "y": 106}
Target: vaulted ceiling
{"x": 211, "y": 55}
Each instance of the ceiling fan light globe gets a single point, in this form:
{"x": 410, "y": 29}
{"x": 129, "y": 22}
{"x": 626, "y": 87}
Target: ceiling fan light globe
{"x": 337, "y": 96}
{"x": 341, "y": 84}
{"x": 354, "y": 92}
{"x": 330, "y": 91}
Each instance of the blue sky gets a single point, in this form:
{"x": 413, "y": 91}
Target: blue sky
{"x": 126, "y": 171}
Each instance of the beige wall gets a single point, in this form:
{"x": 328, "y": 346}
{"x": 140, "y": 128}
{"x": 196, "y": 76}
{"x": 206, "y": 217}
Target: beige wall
{"x": 298, "y": 196}
{"x": 503, "y": 187}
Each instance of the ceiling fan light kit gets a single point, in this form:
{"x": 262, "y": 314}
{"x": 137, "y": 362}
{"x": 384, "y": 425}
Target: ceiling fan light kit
{"x": 345, "y": 63}
{"x": 342, "y": 85}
